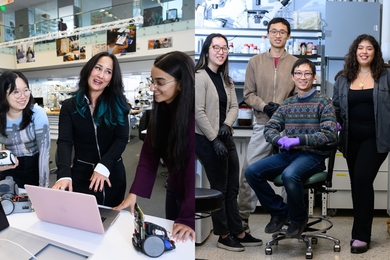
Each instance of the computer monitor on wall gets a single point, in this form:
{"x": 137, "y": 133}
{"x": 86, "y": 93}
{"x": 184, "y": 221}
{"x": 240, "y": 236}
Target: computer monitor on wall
{"x": 153, "y": 16}
{"x": 172, "y": 14}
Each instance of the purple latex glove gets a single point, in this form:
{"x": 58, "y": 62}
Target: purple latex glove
{"x": 282, "y": 140}
{"x": 339, "y": 127}
{"x": 286, "y": 142}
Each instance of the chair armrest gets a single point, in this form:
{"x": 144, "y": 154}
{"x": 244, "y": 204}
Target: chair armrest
{"x": 333, "y": 144}
{"x": 332, "y": 147}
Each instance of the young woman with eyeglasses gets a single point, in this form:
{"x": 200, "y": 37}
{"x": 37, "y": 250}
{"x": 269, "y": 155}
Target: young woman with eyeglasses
{"x": 24, "y": 130}
{"x": 170, "y": 136}
{"x": 216, "y": 109}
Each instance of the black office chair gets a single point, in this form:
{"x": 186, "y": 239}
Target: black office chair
{"x": 207, "y": 201}
{"x": 320, "y": 182}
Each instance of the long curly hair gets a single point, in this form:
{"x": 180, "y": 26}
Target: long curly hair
{"x": 352, "y": 66}
{"x": 7, "y": 81}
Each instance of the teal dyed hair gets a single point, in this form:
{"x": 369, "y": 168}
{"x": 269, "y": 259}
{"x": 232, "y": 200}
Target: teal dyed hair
{"x": 111, "y": 106}
{"x": 105, "y": 114}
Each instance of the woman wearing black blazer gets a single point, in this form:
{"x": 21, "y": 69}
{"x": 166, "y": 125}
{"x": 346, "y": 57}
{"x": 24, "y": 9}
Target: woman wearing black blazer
{"x": 94, "y": 123}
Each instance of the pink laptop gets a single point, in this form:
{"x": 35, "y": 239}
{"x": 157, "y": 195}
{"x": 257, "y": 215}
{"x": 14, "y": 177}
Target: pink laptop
{"x": 72, "y": 209}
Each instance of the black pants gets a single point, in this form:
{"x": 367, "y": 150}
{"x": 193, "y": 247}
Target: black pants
{"x": 27, "y": 171}
{"x": 110, "y": 196}
{"x": 172, "y": 205}
{"x": 223, "y": 175}
{"x": 363, "y": 164}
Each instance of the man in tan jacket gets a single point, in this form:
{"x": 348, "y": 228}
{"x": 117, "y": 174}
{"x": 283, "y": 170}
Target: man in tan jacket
{"x": 268, "y": 82}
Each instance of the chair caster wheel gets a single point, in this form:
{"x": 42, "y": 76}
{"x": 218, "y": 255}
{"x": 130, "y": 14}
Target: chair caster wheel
{"x": 309, "y": 255}
{"x": 314, "y": 240}
{"x": 332, "y": 212}
{"x": 336, "y": 248}
{"x": 268, "y": 250}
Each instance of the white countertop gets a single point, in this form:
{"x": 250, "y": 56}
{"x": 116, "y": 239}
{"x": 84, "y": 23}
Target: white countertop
{"x": 116, "y": 243}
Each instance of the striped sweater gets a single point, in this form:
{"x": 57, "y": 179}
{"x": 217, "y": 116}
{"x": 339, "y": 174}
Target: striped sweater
{"x": 312, "y": 119}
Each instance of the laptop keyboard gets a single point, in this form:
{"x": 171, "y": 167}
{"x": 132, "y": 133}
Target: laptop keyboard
{"x": 103, "y": 219}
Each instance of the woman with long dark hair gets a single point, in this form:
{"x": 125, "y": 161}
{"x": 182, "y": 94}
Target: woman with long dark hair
{"x": 24, "y": 130}
{"x": 94, "y": 123}
{"x": 361, "y": 97}
{"x": 170, "y": 136}
{"x": 216, "y": 109}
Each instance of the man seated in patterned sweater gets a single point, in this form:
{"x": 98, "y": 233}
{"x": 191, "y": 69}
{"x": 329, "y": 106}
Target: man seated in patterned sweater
{"x": 300, "y": 126}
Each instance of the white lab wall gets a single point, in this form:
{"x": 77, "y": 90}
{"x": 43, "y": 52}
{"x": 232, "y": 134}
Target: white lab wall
{"x": 47, "y": 60}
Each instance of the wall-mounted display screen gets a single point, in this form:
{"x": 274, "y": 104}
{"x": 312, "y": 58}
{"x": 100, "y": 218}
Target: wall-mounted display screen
{"x": 153, "y": 16}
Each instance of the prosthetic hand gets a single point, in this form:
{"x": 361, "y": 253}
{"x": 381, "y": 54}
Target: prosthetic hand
{"x": 270, "y": 108}
{"x": 286, "y": 142}
{"x": 224, "y": 132}
{"x": 220, "y": 148}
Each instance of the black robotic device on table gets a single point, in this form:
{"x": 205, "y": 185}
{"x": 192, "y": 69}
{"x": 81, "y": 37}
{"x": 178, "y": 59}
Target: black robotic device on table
{"x": 149, "y": 238}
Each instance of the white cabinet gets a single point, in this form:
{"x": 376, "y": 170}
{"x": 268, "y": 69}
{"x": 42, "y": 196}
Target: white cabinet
{"x": 53, "y": 125}
{"x": 241, "y": 146}
{"x": 341, "y": 182}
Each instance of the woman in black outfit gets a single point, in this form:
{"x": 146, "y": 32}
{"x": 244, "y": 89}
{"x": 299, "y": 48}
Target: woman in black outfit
{"x": 216, "y": 109}
{"x": 95, "y": 124}
{"x": 361, "y": 98}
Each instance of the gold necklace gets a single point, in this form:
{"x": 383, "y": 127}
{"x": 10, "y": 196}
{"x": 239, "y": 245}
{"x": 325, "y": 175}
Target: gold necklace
{"x": 361, "y": 85}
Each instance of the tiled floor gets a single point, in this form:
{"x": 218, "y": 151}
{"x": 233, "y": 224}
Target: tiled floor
{"x": 292, "y": 249}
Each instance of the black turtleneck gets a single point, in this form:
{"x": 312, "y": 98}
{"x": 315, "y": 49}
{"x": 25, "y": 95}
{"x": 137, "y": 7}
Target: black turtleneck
{"x": 218, "y": 83}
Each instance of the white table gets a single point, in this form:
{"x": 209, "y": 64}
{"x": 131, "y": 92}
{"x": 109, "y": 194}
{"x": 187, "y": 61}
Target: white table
{"x": 116, "y": 243}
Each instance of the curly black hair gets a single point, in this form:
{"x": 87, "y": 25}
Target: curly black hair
{"x": 352, "y": 66}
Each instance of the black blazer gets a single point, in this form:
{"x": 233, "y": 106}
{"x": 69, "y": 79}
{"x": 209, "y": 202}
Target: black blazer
{"x": 78, "y": 132}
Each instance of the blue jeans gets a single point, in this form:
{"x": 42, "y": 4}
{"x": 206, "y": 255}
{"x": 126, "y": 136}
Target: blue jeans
{"x": 294, "y": 166}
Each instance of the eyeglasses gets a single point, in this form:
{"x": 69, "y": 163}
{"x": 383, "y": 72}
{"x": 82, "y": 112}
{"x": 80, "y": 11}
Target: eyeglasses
{"x": 18, "y": 94}
{"x": 158, "y": 84}
{"x": 274, "y": 32}
{"x": 299, "y": 74}
{"x": 217, "y": 48}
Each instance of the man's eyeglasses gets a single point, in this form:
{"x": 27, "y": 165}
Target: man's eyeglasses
{"x": 217, "y": 48}
{"x": 274, "y": 32}
{"x": 18, "y": 94}
{"x": 158, "y": 84}
{"x": 299, "y": 74}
